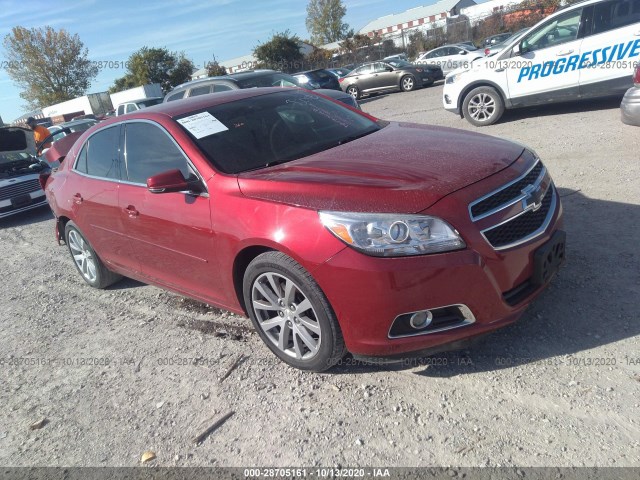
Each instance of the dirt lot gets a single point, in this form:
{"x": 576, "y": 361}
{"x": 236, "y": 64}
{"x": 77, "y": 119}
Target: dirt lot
{"x": 559, "y": 388}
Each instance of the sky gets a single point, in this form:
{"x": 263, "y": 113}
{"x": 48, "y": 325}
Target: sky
{"x": 114, "y": 29}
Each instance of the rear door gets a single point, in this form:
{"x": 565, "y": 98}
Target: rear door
{"x": 611, "y": 47}
{"x": 170, "y": 233}
{"x": 363, "y": 77}
{"x": 548, "y": 67}
{"x": 94, "y": 189}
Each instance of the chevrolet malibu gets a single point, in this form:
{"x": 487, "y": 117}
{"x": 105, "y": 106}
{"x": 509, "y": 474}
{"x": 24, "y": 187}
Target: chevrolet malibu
{"x": 333, "y": 230}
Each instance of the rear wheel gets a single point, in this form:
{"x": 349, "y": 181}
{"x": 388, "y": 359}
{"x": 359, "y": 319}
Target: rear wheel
{"x": 354, "y": 91}
{"x": 89, "y": 265}
{"x": 483, "y": 106}
{"x": 407, "y": 83}
{"x": 291, "y": 313}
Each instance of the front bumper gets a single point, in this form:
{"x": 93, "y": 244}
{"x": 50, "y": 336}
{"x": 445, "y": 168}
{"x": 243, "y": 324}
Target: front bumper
{"x": 20, "y": 194}
{"x": 630, "y": 107}
{"x": 369, "y": 293}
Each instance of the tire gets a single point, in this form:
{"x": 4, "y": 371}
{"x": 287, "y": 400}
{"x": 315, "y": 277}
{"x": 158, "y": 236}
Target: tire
{"x": 301, "y": 330}
{"x": 354, "y": 91}
{"x": 407, "y": 83}
{"x": 483, "y": 106}
{"x": 84, "y": 257}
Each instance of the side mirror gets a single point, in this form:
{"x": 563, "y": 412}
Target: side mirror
{"x": 170, "y": 181}
{"x": 517, "y": 49}
{"x": 463, "y": 52}
{"x": 388, "y": 69}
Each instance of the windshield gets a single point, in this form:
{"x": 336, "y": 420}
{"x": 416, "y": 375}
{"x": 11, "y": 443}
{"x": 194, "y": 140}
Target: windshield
{"x": 260, "y": 131}
{"x": 268, "y": 80}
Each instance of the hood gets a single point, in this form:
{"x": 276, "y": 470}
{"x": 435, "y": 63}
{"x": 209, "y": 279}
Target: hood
{"x": 17, "y": 140}
{"x": 403, "y": 168}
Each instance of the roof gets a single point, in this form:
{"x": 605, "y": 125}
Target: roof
{"x": 200, "y": 102}
{"x": 409, "y": 15}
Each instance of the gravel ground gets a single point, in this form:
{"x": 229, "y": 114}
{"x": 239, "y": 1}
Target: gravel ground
{"x": 130, "y": 369}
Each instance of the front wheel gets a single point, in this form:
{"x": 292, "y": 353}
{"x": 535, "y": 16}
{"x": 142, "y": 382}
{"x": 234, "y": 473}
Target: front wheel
{"x": 88, "y": 264}
{"x": 407, "y": 83}
{"x": 291, "y": 313}
{"x": 483, "y": 106}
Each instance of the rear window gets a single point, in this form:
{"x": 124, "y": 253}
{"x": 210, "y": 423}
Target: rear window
{"x": 261, "y": 131}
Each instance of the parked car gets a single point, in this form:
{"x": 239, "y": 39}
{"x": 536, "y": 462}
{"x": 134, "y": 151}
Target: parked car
{"x": 393, "y": 75}
{"x": 283, "y": 205}
{"x": 340, "y": 71}
{"x": 399, "y": 56}
{"x": 494, "y": 39}
{"x": 498, "y": 47}
{"x": 233, "y": 81}
{"x": 450, "y": 57}
{"x": 630, "y": 107}
{"x": 250, "y": 79}
{"x": 319, "y": 78}
{"x": 585, "y": 50}
{"x": 61, "y": 130}
{"x": 20, "y": 169}
{"x": 136, "y": 105}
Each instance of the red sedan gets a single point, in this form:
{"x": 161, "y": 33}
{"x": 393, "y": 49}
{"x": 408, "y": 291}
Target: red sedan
{"x": 331, "y": 229}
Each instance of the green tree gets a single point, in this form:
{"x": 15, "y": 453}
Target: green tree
{"x": 281, "y": 52}
{"x": 51, "y": 66}
{"x": 214, "y": 69}
{"x": 324, "y": 21}
{"x": 155, "y": 65}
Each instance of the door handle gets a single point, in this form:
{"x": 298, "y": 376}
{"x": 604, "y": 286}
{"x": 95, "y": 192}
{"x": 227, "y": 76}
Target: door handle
{"x": 77, "y": 199}
{"x": 564, "y": 53}
{"x": 131, "y": 211}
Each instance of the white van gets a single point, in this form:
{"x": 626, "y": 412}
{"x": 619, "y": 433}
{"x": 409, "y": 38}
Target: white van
{"x": 587, "y": 50}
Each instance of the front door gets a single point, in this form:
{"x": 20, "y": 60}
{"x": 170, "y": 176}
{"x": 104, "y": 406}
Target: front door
{"x": 548, "y": 67}
{"x": 170, "y": 233}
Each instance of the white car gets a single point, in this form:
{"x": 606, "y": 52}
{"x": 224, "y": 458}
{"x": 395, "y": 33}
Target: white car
{"x": 136, "y": 105}
{"x": 586, "y": 50}
{"x": 450, "y": 57}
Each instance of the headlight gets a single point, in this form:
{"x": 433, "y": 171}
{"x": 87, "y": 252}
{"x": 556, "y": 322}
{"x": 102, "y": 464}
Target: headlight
{"x": 392, "y": 235}
{"x": 453, "y": 78}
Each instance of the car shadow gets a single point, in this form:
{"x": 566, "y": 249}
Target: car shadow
{"x": 592, "y": 302}
{"x": 588, "y": 105}
{"x": 126, "y": 283}
{"x": 29, "y": 217}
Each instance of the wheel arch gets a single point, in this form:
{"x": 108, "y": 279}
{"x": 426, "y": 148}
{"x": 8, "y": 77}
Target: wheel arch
{"x": 61, "y": 223}
{"x": 240, "y": 264}
{"x": 482, "y": 83}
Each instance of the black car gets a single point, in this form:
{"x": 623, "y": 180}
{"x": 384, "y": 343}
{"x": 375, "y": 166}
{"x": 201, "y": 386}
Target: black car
{"x": 320, "y": 78}
{"x": 392, "y": 75}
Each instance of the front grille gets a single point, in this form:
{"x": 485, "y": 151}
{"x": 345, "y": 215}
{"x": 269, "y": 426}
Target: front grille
{"x": 21, "y": 188}
{"x": 520, "y": 227}
{"x": 507, "y": 194}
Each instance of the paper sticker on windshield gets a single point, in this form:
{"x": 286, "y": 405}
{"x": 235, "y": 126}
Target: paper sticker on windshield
{"x": 202, "y": 125}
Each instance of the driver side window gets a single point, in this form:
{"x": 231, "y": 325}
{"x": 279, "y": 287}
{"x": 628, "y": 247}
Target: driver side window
{"x": 149, "y": 151}
{"x": 561, "y": 30}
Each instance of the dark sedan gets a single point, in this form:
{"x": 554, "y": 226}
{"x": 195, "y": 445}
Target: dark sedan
{"x": 392, "y": 75}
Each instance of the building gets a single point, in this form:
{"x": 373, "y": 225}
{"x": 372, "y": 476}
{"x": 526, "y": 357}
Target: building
{"x": 426, "y": 18}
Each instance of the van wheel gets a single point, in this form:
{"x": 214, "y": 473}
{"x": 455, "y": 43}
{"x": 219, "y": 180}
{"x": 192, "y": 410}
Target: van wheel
{"x": 291, "y": 314}
{"x": 483, "y": 106}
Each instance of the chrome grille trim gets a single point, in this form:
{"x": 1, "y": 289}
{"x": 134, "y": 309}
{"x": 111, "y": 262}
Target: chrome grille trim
{"x": 535, "y": 233}
{"x": 515, "y": 200}
{"x": 21, "y": 188}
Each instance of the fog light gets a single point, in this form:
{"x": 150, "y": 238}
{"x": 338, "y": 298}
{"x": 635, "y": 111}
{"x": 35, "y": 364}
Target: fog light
{"x": 447, "y": 99}
{"x": 421, "y": 319}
